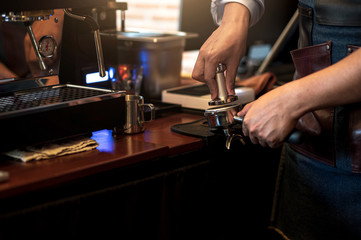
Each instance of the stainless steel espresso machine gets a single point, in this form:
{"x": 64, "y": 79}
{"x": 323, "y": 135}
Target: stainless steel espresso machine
{"x": 33, "y": 112}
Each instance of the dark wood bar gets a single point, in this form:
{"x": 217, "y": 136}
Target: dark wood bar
{"x": 112, "y": 152}
{"x": 156, "y": 185}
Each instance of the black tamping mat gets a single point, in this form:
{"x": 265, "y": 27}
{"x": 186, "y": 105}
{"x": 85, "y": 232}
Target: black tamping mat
{"x": 198, "y": 128}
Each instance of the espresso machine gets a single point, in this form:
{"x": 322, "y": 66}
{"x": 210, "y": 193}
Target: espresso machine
{"x": 33, "y": 112}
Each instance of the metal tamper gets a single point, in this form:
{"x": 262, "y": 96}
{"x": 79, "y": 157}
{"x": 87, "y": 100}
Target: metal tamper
{"x": 224, "y": 107}
{"x": 222, "y": 96}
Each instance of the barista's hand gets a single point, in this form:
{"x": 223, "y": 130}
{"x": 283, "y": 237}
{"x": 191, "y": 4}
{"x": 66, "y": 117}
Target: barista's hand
{"x": 226, "y": 45}
{"x": 271, "y": 118}
{"x": 40, "y": 29}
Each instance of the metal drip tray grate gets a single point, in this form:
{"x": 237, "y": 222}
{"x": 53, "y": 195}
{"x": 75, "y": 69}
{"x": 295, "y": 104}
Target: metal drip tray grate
{"x": 55, "y": 112}
{"x": 46, "y": 96}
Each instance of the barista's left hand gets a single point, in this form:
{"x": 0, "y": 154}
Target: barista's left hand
{"x": 40, "y": 29}
{"x": 269, "y": 119}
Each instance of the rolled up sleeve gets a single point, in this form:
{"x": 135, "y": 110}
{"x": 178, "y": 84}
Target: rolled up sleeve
{"x": 255, "y": 7}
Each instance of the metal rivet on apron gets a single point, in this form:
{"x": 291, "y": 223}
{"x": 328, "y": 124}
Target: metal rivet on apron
{"x": 328, "y": 47}
{"x": 349, "y": 50}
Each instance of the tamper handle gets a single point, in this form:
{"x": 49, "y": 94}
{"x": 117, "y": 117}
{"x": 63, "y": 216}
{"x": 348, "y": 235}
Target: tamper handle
{"x": 296, "y": 136}
{"x": 222, "y": 95}
{"x": 221, "y": 82}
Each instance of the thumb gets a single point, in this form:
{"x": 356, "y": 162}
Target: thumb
{"x": 245, "y": 109}
{"x": 243, "y": 113}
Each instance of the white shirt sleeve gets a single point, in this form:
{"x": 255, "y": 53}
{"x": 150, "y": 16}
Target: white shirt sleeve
{"x": 256, "y": 9}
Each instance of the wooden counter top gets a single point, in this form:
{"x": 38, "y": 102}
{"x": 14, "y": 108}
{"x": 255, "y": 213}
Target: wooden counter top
{"x": 113, "y": 152}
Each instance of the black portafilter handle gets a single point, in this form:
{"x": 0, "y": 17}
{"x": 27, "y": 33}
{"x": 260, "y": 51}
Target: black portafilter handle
{"x": 295, "y": 137}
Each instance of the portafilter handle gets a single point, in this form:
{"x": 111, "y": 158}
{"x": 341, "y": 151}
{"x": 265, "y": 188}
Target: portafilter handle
{"x": 295, "y": 137}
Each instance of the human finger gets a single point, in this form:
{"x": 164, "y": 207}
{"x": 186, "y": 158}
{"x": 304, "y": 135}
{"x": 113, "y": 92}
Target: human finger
{"x": 209, "y": 77}
{"x": 230, "y": 73}
{"x": 198, "y": 70}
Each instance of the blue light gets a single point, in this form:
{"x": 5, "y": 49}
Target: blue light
{"x": 105, "y": 140}
{"x": 95, "y": 78}
{"x": 111, "y": 72}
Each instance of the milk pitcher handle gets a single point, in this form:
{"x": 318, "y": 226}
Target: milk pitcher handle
{"x": 151, "y": 109}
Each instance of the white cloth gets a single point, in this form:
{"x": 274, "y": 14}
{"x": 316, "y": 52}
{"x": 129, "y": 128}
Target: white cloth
{"x": 53, "y": 149}
{"x": 255, "y": 7}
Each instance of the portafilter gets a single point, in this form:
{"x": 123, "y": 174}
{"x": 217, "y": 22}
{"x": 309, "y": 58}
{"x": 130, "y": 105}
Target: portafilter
{"x": 223, "y": 117}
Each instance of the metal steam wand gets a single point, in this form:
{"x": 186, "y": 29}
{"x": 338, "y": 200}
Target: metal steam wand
{"x": 96, "y": 31}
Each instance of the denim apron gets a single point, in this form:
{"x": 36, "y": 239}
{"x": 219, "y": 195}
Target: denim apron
{"x": 322, "y": 199}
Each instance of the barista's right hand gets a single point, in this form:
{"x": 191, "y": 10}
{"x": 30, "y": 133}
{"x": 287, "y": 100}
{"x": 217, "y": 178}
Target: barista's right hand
{"x": 226, "y": 45}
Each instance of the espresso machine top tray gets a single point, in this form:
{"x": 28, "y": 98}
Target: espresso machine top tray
{"x": 50, "y": 97}
{"x": 49, "y": 113}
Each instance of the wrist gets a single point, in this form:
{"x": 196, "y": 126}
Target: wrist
{"x": 236, "y": 14}
{"x": 297, "y": 98}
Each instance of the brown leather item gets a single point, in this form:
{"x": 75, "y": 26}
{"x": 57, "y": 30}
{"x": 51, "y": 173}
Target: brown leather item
{"x": 351, "y": 49}
{"x": 311, "y": 59}
{"x": 318, "y": 125}
{"x": 260, "y": 83}
{"x": 309, "y": 124}
{"x": 354, "y": 128}
{"x": 355, "y": 137}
